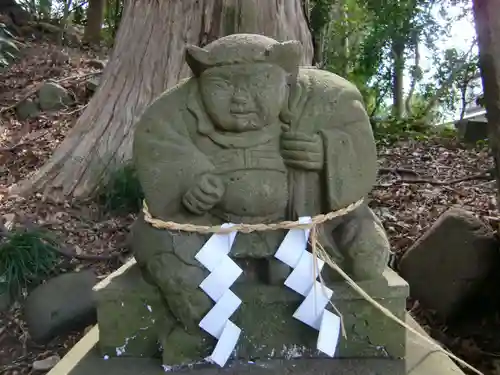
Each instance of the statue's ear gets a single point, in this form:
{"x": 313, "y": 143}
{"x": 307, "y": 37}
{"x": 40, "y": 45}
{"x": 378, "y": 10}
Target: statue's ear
{"x": 287, "y": 55}
{"x": 198, "y": 59}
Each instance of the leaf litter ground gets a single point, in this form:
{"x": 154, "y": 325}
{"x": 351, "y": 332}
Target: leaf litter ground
{"x": 406, "y": 203}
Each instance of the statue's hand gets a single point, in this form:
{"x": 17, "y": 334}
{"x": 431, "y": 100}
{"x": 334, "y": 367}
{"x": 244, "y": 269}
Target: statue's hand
{"x": 302, "y": 151}
{"x": 204, "y": 195}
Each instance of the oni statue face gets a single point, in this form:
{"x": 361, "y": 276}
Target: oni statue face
{"x": 244, "y": 97}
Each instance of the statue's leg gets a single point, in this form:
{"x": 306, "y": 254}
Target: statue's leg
{"x": 277, "y": 272}
{"x": 361, "y": 239}
{"x": 167, "y": 259}
{"x": 261, "y": 247}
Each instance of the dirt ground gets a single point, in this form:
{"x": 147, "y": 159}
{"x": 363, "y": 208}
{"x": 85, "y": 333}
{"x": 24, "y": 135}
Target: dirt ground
{"x": 417, "y": 183}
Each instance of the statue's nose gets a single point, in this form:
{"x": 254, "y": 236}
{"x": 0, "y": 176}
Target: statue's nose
{"x": 239, "y": 97}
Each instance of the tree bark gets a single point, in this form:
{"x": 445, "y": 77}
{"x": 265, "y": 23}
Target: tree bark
{"x": 415, "y": 77}
{"x": 148, "y": 58}
{"x": 398, "y": 49}
{"x": 487, "y": 19}
{"x": 95, "y": 17}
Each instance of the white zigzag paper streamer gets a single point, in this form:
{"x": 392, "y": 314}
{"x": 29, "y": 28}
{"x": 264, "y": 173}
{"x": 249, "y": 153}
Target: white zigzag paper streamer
{"x": 312, "y": 311}
{"x": 223, "y": 273}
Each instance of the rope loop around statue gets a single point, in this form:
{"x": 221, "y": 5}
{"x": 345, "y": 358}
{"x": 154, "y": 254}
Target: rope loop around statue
{"x": 247, "y": 228}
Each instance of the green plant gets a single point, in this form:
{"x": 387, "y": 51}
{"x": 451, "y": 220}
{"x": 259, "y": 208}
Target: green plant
{"x": 113, "y": 11}
{"x": 391, "y": 130}
{"x": 26, "y": 258}
{"x": 446, "y": 132}
{"x": 123, "y": 192}
{"x": 8, "y": 49}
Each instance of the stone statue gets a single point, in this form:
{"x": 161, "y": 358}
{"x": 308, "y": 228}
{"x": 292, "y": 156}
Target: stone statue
{"x": 252, "y": 138}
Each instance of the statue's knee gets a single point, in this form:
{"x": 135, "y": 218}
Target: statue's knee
{"x": 179, "y": 285}
{"x": 364, "y": 241}
{"x": 277, "y": 272}
{"x": 369, "y": 255}
{"x": 148, "y": 242}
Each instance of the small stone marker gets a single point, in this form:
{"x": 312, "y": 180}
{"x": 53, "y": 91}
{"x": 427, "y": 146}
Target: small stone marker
{"x": 446, "y": 265}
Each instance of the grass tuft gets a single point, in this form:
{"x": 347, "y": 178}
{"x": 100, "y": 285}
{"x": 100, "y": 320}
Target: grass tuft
{"x": 26, "y": 258}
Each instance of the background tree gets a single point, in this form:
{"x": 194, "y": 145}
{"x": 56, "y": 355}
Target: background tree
{"x": 95, "y": 18}
{"x": 487, "y": 17}
{"x": 113, "y": 12}
{"x": 378, "y": 44}
{"x": 148, "y": 57}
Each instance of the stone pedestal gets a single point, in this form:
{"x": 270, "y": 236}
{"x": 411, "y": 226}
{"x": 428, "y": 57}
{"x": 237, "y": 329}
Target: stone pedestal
{"x": 128, "y": 309}
{"x": 131, "y": 314}
{"x": 85, "y": 359}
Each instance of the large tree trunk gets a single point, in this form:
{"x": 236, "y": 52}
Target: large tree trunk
{"x": 147, "y": 59}
{"x": 487, "y": 17}
{"x": 95, "y": 17}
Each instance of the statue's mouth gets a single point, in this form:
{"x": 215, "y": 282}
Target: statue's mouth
{"x": 241, "y": 112}
{"x": 242, "y": 116}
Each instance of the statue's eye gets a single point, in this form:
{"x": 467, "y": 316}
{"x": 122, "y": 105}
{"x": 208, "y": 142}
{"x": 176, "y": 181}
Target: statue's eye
{"x": 219, "y": 83}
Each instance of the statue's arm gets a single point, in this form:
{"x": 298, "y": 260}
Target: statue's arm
{"x": 167, "y": 161}
{"x": 350, "y": 153}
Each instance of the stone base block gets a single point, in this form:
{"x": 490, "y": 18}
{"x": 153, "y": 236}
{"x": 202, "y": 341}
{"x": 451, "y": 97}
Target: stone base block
{"x": 84, "y": 359}
{"x": 131, "y": 312}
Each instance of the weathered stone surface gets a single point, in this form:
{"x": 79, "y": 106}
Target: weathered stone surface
{"x": 131, "y": 313}
{"x": 84, "y": 358}
{"x": 62, "y": 304}
{"x": 472, "y": 131}
{"x": 27, "y": 109}
{"x": 52, "y": 96}
{"x": 250, "y": 138}
{"x": 447, "y": 264}
{"x": 230, "y": 136}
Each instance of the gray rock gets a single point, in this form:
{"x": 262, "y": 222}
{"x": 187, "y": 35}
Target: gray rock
{"x": 93, "y": 83}
{"x": 58, "y": 58}
{"x": 449, "y": 262}
{"x": 46, "y": 364}
{"x": 27, "y": 109}
{"x": 63, "y": 304}
{"x": 97, "y": 64}
{"x": 472, "y": 130}
{"x": 52, "y": 97}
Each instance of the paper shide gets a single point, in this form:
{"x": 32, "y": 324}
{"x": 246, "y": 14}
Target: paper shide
{"x": 214, "y": 255}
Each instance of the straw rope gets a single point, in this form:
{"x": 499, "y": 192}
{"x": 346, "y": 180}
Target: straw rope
{"x": 318, "y": 251}
{"x": 246, "y": 228}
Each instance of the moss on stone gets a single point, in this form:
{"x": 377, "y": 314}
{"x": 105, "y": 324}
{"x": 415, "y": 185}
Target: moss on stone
{"x": 134, "y": 321}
